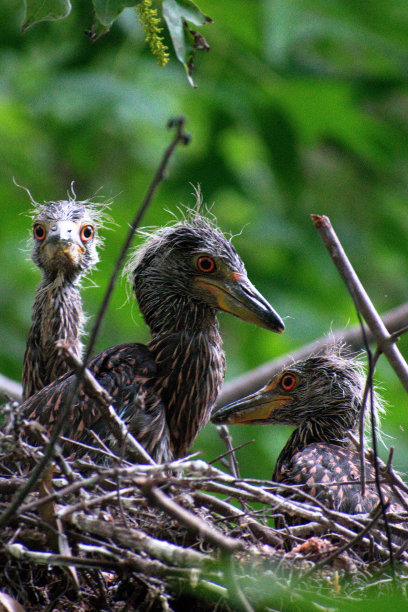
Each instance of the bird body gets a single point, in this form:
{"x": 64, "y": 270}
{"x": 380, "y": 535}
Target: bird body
{"x": 165, "y": 391}
{"x": 65, "y": 249}
{"x": 322, "y": 398}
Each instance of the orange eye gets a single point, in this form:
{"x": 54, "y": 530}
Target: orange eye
{"x": 205, "y": 264}
{"x": 39, "y": 231}
{"x": 288, "y": 381}
{"x": 87, "y": 232}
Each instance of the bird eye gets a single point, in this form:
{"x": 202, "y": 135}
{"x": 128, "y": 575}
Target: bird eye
{"x": 87, "y": 232}
{"x": 205, "y": 264}
{"x": 288, "y": 381}
{"x": 39, "y": 231}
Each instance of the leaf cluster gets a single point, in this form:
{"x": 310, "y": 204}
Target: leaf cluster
{"x": 176, "y": 14}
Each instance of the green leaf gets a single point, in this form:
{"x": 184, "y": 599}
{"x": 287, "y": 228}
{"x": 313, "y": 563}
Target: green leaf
{"x": 185, "y": 41}
{"x": 107, "y": 11}
{"x": 44, "y": 10}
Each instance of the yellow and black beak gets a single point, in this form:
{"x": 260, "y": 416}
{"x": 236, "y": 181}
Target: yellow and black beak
{"x": 238, "y": 296}
{"x": 259, "y": 408}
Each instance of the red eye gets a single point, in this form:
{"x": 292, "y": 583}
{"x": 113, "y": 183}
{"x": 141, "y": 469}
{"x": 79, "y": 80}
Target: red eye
{"x": 87, "y": 232}
{"x": 39, "y": 231}
{"x": 205, "y": 264}
{"x": 288, "y": 381}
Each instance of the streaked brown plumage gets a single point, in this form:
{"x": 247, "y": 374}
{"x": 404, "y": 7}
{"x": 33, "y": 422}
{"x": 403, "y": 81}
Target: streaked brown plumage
{"x": 65, "y": 240}
{"x": 321, "y": 397}
{"x": 164, "y": 391}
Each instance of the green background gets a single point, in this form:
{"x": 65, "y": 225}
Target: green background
{"x": 301, "y": 107}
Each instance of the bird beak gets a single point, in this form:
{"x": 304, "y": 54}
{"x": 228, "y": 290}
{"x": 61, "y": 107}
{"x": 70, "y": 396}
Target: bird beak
{"x": 239, "y": 297}
{"x": 63, "y": 240}
{"x": 256, "y": 409}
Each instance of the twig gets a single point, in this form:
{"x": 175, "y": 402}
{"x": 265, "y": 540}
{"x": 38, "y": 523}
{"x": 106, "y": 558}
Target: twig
{"x": 348, "y": 544}
{"x": 180, "y": 137}
{"x": 266, "y": 534}
{"x": 141, "y": 542}
{"x": 99, "y": 394}
{"x": 361, "y": 298}
{"x": 228, "y": 452}
{"x": 225, "y": 436}
{"x": 254, "y": 379}
{"x": 192, "y": 522}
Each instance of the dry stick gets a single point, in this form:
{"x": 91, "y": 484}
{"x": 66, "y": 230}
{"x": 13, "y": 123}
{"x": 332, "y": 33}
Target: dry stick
{"x": 366, "y": 308}
{"x": 361, "y": 298}
{"x": 104, "y": 402}
{"x": 70, "y": 399}
{"x": 139, "y": 541}
{"x": 229, "y": 511}
{"x": 190, "y": 520}
{"x": 178, "y": 124}
{"x": 228, "y": 452}
{"x": 225, "y": 436}
{"x": 346, "y": 545}
{"x": 195, "y": 524}
{"x": 254, "y": 379}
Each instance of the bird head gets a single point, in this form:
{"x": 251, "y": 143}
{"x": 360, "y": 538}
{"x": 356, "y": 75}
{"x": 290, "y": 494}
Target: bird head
{"x": 191, "y": 264}
{"x": 325, "y": 388}
{"x": 65, "y": 236}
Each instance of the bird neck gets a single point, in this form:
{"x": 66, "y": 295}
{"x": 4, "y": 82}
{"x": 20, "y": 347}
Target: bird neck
{"x": 322, "y": 430}
{"x": 57, "y": 316}
{"x": 191, "y": 366}
{"x": 171, "y": 313}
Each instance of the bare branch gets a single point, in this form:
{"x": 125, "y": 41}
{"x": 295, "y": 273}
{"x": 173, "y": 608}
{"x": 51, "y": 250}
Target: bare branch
{"x": 361, "y": 298}
{"x": 180, "y": 138}
{"x": 103, "y": 400}
{"x": 251, "y": 381}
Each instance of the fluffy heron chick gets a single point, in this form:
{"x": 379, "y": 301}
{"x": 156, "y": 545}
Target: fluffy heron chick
{"x": 65, "y": 241}
{"x": 322, "y": 398}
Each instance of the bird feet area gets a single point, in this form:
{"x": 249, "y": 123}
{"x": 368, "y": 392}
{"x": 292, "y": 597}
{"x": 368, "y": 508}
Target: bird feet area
{"x": 115, "y": 535}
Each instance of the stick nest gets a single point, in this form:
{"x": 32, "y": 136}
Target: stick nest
{"x": 102, "y": 533}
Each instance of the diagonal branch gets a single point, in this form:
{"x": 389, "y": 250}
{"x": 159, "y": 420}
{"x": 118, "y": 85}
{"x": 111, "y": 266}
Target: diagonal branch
{"x": 251, "y": 381}
{"x": 361, "y": 298}
{"x": 180, "y": 137}
{"x": 104, "y": 402}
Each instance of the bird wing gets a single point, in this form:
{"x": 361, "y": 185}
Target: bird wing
{"x": 124, "y": 371}
{"x": 317, "y": 466}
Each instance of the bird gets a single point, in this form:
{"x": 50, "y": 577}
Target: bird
{"x": 65, "y": 241}
{"x": 181, "y": 275}
{"x": 321, "y": 397}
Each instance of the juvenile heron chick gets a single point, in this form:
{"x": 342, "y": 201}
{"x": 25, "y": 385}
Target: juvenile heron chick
{"x": 65, "y": 241}
{"x": 322, "y": 398}
{"x": 181, "y": 277}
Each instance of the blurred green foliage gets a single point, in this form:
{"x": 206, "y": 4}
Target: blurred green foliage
{"x": 301, "y": 107}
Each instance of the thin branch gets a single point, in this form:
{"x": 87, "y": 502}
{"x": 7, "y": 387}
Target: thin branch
{"x": 141, "y": 542}
{"x": 180, "y": 137}
{"x": 377, "y": 513}
{"x": 251, "y": 381}
{"x": 104, "y": 401}
{"x": 190, "y": 520}
{"x": 361, "y": 298}
{"x": 225, "y": 436}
